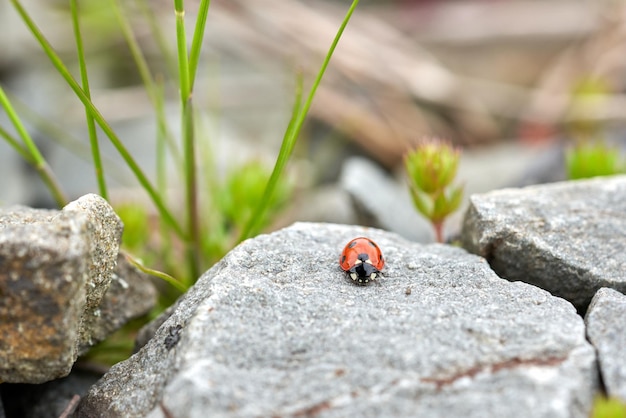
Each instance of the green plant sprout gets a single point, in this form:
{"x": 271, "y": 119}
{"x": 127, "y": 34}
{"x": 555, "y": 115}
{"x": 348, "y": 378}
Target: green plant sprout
{"x": 592, "y": 159}
{"x": 431, "y": 168}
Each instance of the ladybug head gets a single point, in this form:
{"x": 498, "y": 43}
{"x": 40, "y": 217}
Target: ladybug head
{"x": 363, "y": 270}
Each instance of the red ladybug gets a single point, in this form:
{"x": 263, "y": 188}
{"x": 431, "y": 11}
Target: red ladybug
{"x": 362, "y": 260}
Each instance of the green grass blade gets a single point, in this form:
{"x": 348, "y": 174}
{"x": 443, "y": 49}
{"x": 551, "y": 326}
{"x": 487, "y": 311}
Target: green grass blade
{"x": 106, "y": 128}
{"x": 191, "y": 198}
{"x": 20, "y": 128}
{"x": 293, "y": 131}
{"x": 91, "y": 126}
{"x": 15, "y": 143}
{"x": 35, "y": 157}
{"x": 320, "y": 74}
{"x": 289, "y": 140}
{"x": 183, "y": 59}
{"x": 164, "y": 276}
{"x": 191, "y": 195}
{"x": 198, "y": 37}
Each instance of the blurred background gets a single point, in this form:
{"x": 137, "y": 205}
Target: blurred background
{"x": 512, "y": 83}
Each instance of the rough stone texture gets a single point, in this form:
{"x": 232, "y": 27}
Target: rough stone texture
{"x": 53, "y": 265}
{"x": 146, "y": 333}
{"x": 276, "y": 329}
{"x": 567, "y": 238}
{"x": 606, "y": 330}
{"x": 105, "y": 228}
{"x": 130, "y": 295}
{"x": 105, "y": 234}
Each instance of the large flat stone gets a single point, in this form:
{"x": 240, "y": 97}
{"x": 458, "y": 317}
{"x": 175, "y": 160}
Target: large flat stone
{"x": 55, "y": 267}
{"x": 276, "y": 329}
{"x": 567, "y": 238}
{"x": 606, "y": 330}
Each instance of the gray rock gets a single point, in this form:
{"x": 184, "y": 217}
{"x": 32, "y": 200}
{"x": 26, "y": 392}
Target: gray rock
{"x": 276, "y": 329}
{"x": 146, "y": 333}
{"x": 131, "y": 294}
{"x": 567, "y": 238}
{"x": 104, "y": 234}
{"x": 381, "y": 201}
{"x": 54, "y": 269}
{"x": 606, "y": 330}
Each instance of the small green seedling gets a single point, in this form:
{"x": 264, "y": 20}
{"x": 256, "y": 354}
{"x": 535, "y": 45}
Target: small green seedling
{"x": 233, "y": 204}
{"x": 593, "y": 159}
{"x": 431, "y": 168}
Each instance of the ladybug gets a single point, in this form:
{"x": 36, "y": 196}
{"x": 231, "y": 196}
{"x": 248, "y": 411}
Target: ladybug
{"x": 362, "y": 260}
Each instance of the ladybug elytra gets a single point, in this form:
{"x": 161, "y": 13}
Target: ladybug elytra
{"x": 362, "y": 260}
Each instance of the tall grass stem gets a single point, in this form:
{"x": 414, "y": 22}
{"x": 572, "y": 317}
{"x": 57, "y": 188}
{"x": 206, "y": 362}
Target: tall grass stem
{"x": 91, "y": 126}
{"x": 193, "y": 224}
{"x": 198, "y": 37}
{"x": 183, "y": 58}
{"x": 15, "y": 143}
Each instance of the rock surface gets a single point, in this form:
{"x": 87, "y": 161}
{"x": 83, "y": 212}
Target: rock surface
{"x": 567, "y": 238}
{"x": 276, "y": 329}
{"x": 130, "y": 295}
{"x": 103, "y": 237}
{"x": 55, "y": 267}
{"x": 381, "y": 201}
{"x": 606, "y": 330}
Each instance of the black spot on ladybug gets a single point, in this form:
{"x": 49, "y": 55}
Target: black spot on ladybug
{"x": 173, "y": 336}
{"x": 352, "y": 244}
